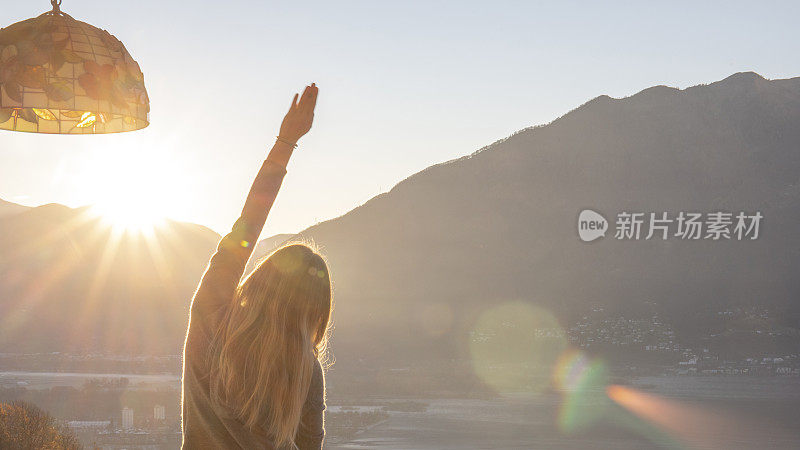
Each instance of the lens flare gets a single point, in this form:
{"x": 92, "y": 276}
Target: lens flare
{"x": 694, "y": 425}
{"x": 570, "y": 370}
{"x": 514, "y": 346}
{"x": 582, "y": 381}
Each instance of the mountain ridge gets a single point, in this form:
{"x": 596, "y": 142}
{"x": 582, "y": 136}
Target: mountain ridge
{"x": 604, "y": 154}
{"x": 70, "y": 282}
{"x": 415, "y": 267}
{"x": 10, "y": 208}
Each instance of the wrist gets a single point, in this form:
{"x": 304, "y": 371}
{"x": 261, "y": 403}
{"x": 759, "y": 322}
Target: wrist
{"x": 286, "y": 141}
{"x": 281, "y": 153}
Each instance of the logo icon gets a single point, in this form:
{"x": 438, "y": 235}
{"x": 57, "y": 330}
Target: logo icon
{"x": 591, "y": 225}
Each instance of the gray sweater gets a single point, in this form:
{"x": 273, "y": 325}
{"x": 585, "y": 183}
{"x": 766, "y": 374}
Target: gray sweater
{"x": 206, "y": 426}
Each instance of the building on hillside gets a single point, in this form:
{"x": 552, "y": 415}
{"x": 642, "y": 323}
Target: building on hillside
{"x": 159, "y": 412}
{"x": 88, "y": 424}
{"x": 127, "y": 418}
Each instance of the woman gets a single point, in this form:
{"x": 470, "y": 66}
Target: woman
{"x": 252, "y": 376}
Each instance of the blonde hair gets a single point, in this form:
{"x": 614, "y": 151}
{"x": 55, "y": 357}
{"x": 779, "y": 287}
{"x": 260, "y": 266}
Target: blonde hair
{"x": 264, "y": 353}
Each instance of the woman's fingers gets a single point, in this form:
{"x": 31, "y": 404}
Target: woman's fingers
{"x": 312, "y": 102}
{"x": 304, "y": 98}
{"x": 298, "y": 120}
{"x": 309, "y": 99}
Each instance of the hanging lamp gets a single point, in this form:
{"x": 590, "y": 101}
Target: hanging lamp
{"x": 59, "y": 75}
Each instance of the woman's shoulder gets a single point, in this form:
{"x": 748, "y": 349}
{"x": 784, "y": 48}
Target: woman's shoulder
{"x": 318, "y": 375}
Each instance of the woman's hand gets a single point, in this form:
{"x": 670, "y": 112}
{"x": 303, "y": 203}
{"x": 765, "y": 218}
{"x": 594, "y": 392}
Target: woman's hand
{"x": 300, "y": 116}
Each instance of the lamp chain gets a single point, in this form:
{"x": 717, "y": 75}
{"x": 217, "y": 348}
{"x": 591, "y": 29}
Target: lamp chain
{"x": 56, "y": 5}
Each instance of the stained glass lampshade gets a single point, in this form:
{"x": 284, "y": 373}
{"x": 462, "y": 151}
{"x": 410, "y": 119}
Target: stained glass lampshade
{"x": 62, "y": 76}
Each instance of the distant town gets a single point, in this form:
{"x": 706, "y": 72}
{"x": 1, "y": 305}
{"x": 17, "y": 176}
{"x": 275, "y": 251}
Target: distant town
{"x": 655, "y": 335}
{"x": 115, "y": 402}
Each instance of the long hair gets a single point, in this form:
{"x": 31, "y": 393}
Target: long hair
{"x": 264, "y": 353}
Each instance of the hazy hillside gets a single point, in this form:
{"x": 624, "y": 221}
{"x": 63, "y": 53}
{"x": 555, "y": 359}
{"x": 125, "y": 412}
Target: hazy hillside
{"x": 414, "y": 266}
{"x": 68, "y": 282}
{"x": 9, "y": 208}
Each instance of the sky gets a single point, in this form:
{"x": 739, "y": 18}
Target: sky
{"x": 403, "y": 85}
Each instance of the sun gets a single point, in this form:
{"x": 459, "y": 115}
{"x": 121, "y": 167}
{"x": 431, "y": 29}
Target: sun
{"x": 132, "y": 190}
{"x": 130, "y": 215}
{"x": 139, "y": 207}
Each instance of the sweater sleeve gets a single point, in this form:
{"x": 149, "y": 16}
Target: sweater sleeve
{"x": 312, "y": 422}
{"x": 227, "y": 265}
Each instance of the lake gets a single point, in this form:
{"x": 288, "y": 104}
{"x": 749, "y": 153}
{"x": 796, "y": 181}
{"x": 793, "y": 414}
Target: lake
{"x": 685, "y": 412}
{"x": 648, "y": 412}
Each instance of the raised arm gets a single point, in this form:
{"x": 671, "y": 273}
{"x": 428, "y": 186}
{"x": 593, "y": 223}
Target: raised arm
{"x": 226, "y": 267}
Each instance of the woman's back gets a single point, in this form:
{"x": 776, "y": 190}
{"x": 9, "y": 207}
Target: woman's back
{"x": 206, "y": 425}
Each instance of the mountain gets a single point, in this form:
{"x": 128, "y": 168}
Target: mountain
{"x": 8, "y": 208}
{"x": 71, "y": 282}
{"x": 416, "y": 267}
{"x": 413, "y": 268}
